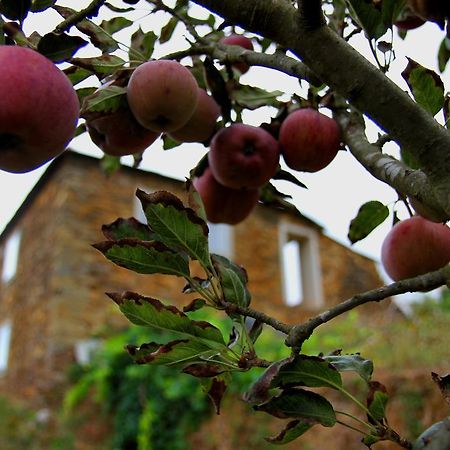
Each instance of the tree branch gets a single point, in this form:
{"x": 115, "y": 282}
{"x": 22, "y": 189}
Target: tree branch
{"x": 348, "y": 73}
{"x": 90, "y": 11}
{"x": 300, "y": 333}
{"x": 413, "y": 183}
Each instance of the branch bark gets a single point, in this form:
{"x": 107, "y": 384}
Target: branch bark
{"x": 349, "y": 74}
{"x": 300, "y": 333}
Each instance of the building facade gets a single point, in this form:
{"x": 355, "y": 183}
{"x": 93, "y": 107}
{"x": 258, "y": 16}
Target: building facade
{"x": 53, "y": 282}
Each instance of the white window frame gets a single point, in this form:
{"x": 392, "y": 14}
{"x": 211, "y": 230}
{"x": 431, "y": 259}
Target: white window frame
{"x": 11, "y": 256}
{"x": 221, "y": 239}
{"x": 311, "y": 275}
{"x": 5, "y": 344}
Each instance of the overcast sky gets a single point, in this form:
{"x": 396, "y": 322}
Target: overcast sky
{"x": 334, "y": 194}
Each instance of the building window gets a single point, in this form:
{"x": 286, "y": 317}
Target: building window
{"x": 11, "y": 256}
{"x": 220, "y": 239}
{"x": 85, "y": 350}
{"x": 300, "y": 266}
{"x": 5, "y": 340}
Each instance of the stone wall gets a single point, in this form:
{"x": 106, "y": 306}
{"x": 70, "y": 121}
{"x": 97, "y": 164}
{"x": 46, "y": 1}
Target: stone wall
{"x": 58, "y": 295}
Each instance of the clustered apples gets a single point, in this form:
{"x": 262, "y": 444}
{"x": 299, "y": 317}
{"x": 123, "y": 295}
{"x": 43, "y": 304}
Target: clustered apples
{"x": 39, "y": 112}
{"x": 414, "y": 247}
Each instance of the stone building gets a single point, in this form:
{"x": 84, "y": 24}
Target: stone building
{"x": 53, "y": 281}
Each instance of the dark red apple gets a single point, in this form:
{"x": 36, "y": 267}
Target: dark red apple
{"x": 309, "y": 140}
{"x": 201, "y": 126}
{"x": 415, "y": 246}
{"x": 118, "y": 133}
{"x": 243, "y": 156}
{"x": 241, "y": 41}
{"x": 162, "y": 95}
{"x": 39, "y": 109}
{"x": 222, "y": 204}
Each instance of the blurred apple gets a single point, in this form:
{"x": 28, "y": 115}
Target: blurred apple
{"x": 243, "y": 156}
{"x": 162, "y": 95}
{"x": 241, "y": 41}
{"x": 415, "y": 246}
{"x": 39, "y": 111}
{"x": 118, "y": 133}
{"x": 309, "y": 140}
{"x": 200, "y": 127}
{"x": 222, "y": 204}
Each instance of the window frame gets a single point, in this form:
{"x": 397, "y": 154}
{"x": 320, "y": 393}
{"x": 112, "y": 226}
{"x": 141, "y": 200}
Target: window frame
{"x": 11, "y": 253}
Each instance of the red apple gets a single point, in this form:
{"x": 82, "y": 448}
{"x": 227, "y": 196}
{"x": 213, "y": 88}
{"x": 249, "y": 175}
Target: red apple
{"x": 415, "y": 246}
{"x": 162, "y": 95}
{"x": 222, "y": 204}
{"x": 243, "y": 156}
{"x": 118, "y": 133}
{"x": 309, "y": 140}
{"x": 39, "y": 110}
{"x": 242, "y": 41}
{"x": 201, "y": 126}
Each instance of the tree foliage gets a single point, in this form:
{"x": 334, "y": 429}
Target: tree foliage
{"x": 310, "y": 41}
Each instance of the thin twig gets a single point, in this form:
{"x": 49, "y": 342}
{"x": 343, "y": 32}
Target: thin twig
{"x": 90, "y": 11}
{"x": 300, "y": 333}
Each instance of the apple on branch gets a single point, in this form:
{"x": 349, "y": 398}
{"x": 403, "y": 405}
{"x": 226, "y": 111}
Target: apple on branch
{"x": 201, "y": 126}
{"x": 309, "y": 140}
{"x": 241, "y": 41}
{"x": 243, "y": 156}
{"x": 223, "y": 204}
{"x": 162, "y": 95}
{"x": 414, "y": 247}
{"x": 39, "y": 112}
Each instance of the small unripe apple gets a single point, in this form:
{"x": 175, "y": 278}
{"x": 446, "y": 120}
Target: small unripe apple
{"x": 222, "y": 204}
{"x": 241, "y": 41}
{"x": 243, "y": 156}
{"x": 39, "y": 109}
{"x": 415, "y": 246}
{"x": 309, "y": 140}
{"x": 118, "y": 133}
{"x": 162, "y": 95}
{"x": 201, "y": 126}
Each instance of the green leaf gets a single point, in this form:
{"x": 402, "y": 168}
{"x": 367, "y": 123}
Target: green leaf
{"x": 98, "y": 37}
{"x": 300, "y": 404}
{"x": 41, "y": 5}
{"x": 252, "y": 97}
{"x": 150, "y": 312}
{"x": 107, "y": 99}
{"x": 143, "y": 43}
{"x": 76, "y": 74}
{"x": 110, "y": 164}
{"x": 175, "y": 225}
{"x": 377, "y": 399}
{"x": 175, "y": 353}
{"x": 444, "y": 53}
{"x": 168, "y": 29}
{"x": 169, "y": 143}
{"x": 147, "y": 257}
{"x": 310, "y": 371}
{"x": 370, "y": 439}
{"x": 288, "y": 176}
{"x": 233, "y": 279}
{"x": 100, "y": 65}
{"x": 60, "y": 47}
{"x": 367, "y": 15}
{"x": 15, "y": 9}
{"x": 425, "y": 85}
{"x": 115, "y": 24}
{"x": 293, "y": 430}
{"x": 369, "y": 216}
{"x": 354, "y": 363}
{"x": 391, "y": 9}
{"x": 127, "y": 228}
